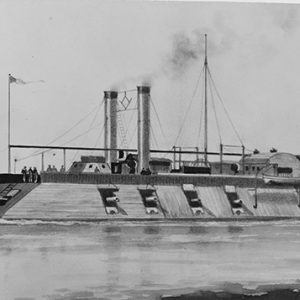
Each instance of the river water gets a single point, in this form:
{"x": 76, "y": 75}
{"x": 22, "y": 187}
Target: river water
{"x": 119, "y": 260}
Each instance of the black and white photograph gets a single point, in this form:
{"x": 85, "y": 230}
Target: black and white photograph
{"x": 149, "y": 150}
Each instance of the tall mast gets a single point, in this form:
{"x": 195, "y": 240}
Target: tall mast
{"x": 205, "y": 103}
{"x": 8, "y": 142}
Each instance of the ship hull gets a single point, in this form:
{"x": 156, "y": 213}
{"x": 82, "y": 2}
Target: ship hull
{"x": 79, "y": 197}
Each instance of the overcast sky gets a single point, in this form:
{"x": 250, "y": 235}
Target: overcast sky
{"x": 81, "y": 48}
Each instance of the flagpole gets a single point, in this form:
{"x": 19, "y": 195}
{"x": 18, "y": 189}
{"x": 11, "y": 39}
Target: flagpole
{"x": 9, "y": 153}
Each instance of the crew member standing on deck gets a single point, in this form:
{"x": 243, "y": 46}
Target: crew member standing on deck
{"x": 30, "y": 175}
{"x": 24, "y": 173}
{"x": 35, "y": 175}
{"x": 131, "y": 163}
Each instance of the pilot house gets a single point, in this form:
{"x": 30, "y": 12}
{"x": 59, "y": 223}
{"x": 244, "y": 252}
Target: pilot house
{"x": 274, "y": 164}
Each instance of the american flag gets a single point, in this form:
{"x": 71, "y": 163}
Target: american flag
{"x": 16, "y": 80}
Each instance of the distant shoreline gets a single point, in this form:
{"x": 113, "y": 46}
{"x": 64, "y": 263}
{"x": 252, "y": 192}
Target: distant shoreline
{"x": 236, "y": 292}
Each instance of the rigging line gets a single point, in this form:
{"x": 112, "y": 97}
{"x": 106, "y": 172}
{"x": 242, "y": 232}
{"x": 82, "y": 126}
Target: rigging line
{"x": 79, "y": 135}
{"x": 127, "y": 91}
{"x": 124, "y": 123}
{"x": 130, "y": 122}
{"x": 94, "y": 119}
{"x": 227, "y": 114}
{"x": 66, "y": 132}
{"x": 121, "y": 124}
{"x": 135, "y": 129}
{"x": 215, "y": 112}
{"x": 100, "y": 135}
{"x": 120, "y": 133}
{"x": 91, "y": 124}
{"x": 197, "y": 84}
{"x": 87, "y": 131}
{"x": 97, "y": 106}
{"x": 28, "y": 156}
{"x": 153, "y": 137}
{"x": 130, "y": 138}
{"x": 157, "y": 116}
{"x": 35, "y": 153}
{"x": 249, "y": 150}
{"x": 49, "y": 150}
{"x": 74, "y": 156}
{"x": 192, "y": 98}
{"x": 201, "y": 115}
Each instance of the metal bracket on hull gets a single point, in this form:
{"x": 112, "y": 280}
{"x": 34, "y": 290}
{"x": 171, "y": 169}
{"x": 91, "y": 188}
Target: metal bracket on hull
{"x": 235, "y": 202}
{"x": 110, "y": 200}
{"x": 150, "y": 199}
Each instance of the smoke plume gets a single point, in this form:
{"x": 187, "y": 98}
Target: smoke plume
{"x": 190, "y": 48}
{"x": 185, "y": 50}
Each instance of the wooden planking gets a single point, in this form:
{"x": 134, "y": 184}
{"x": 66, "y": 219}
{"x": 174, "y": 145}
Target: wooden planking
{"x": 24, "y": 189}
{"x": 272, "y": 202}
{"x": 77, "y": 201}
{"x": 215, "y": 199}
{"x": 174, "y": 202}
{"x": 248, "y": 201}
{"x": 60, "y": 201}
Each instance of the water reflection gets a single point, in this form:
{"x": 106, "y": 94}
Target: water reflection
{"x": 72, "y": 296}
{"x": 6, "y": 251}
{"x": 112, "y": 250}
{"x": 198, "y": 230}
{"x": 44, "y": 253}
{"x": 112, "y": 229}
{"x": 115, "y": 260}
{"x": 235, "y": 229}
{"x": 152, "y": 229}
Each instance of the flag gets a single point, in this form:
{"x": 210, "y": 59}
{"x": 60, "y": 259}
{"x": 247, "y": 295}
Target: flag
{"x": 16, "y": 80}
